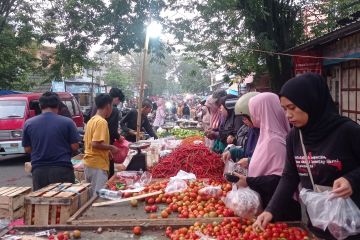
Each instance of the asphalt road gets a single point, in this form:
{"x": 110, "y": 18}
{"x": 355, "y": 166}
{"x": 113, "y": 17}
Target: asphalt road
{"x": 12, "y": 172}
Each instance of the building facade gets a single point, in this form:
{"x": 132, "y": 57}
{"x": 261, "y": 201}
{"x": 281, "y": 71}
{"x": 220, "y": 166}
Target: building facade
{"x": 336, "y": 56}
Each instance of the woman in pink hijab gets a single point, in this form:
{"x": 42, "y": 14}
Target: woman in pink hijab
{"x": 268, "y": 160}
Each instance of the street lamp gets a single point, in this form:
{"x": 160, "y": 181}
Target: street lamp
{"x": 153, "y": 30}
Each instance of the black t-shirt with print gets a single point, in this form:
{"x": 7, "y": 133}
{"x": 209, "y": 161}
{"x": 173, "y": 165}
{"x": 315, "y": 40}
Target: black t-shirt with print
{"x": 338, "y": 155}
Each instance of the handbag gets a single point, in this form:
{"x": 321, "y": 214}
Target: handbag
{"x": 316, "y": 187}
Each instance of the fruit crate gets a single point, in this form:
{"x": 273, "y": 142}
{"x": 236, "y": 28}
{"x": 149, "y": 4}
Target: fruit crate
{"x": 55, "y": 203}
{"x": 12, "y": 202}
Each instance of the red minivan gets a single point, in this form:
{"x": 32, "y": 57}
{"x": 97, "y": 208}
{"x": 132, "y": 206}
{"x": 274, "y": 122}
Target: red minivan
{"x": 15, "y": 109}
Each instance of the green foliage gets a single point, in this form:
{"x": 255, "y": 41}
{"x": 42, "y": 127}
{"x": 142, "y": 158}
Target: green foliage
{"x": 331, "y": 14}
{"x": 73, "y": 26}
{"x": 17, "y": 36}
{"x": 224, "y": 32}
{"x": 116, "y": 77}
{"x": 192, "y": 78}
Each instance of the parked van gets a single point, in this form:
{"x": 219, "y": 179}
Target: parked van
{"x": 15, "y": 109}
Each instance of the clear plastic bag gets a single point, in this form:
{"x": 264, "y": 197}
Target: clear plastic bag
{"x": 203, "y": 236}
{"x": 184, "y": 176}
{"x": 212, "y": 191}
{"x": 144, "y": 180}
{"x": 243, "y": 201}
{"x": 176, "y": 185}
{"x": 341, "y": 216}
{"x": 231, "y": 167}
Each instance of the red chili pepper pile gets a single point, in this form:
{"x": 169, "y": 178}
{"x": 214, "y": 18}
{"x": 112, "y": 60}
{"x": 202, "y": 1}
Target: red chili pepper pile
{"x": 197, "y": 159}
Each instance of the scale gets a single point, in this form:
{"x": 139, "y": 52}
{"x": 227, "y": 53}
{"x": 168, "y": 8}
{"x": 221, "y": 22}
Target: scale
{"x": 138, "y": 161}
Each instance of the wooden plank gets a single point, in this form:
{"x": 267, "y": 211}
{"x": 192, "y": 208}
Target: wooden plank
{"x": 64, "y": 214}
{"x": 84, "y": 196}
{"x": 149, "y": 222}
{"x": 81, "y": 210}
{"x": 47, "y": 201}
{"x": 19, "y": 213}
{"x": 4, "y": 201}
{"x": 65, "y": 195}
{"x": 52, "y": 212}
{"x": 21, "y": 190}
{"x": 2, "y": 189}
{"x": 17, "y": 202}
{"x": 76, "y": 189}
{"x": 7, "y": 191}
{"x": 50, "y": 193}
{"x": 127, "y": 199}
{"x": 41, "y": 214}
{"x": 28, "y": 214}
{"x": 43, "y": 190}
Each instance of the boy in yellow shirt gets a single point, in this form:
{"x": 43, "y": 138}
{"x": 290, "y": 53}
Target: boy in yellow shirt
{"x": 97, "y": 144}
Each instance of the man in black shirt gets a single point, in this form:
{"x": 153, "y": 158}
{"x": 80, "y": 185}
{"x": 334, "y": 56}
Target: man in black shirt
{"x": 128, "y": 123}
{"x": 113, "y": 121}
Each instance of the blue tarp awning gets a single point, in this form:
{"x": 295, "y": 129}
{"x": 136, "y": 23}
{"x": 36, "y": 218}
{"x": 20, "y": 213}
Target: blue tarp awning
{"x": 8, "y": 92}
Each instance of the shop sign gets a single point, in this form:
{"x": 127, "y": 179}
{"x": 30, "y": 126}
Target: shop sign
{"x": 57, "y": 86}
{"x": 79, "y": 88}
{"x": 306, "y": 64}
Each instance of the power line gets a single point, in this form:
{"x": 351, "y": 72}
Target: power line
{"x": 299, "y": 55}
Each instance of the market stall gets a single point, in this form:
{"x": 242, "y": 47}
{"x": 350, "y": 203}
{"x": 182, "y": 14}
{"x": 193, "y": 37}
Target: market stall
{"x": 181, "y": 194}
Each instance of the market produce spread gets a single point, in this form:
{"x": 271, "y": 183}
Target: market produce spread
{"x": 192, "y": 140}
{"x": 237, "y": 228}
{"x": 182, "y": 133}
{"x": 197, "y": 159}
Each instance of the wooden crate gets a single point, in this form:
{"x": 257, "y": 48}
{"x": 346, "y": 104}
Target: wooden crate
{"x": 55, "y": 203}
{"x": 12, "y": 202}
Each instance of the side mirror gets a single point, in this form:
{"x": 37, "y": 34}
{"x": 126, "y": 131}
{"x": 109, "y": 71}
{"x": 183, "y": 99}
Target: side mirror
{"x": 32, "y": 113}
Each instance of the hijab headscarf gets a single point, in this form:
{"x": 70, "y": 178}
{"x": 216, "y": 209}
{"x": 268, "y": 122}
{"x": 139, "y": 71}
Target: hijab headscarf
{"x": 230, "y": 124}
{"x": 214, "y": 111}
{"x": 311, "y": 94}
{"x": 270, "y": 152}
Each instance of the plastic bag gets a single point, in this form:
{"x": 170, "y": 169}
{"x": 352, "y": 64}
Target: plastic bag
{"x": 231, "y": 167}
{"x": 243, "y": 201}
{"x": 144, "y": 180}
{"x": 176, "y": 185}
{"x": 341, "y": 216}
{"x": 203, "y": 236}
{"x": 184, "y": 175}
{"x": 123, "y": 146}
{"x": 212, "y": 191}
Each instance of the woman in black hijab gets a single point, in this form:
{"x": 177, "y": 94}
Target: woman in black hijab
{"x": 331, "y": 143}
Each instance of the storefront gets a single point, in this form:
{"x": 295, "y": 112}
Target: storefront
{"x": 339, "y": 62}
{"x": 81, "y": 90}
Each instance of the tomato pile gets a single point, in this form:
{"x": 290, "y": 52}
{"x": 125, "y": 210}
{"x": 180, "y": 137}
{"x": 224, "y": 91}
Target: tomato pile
{"x": 236, "y": 228}
{"x": 191, "y": 203}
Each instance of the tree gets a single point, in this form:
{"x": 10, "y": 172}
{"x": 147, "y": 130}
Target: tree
{"x": 115, "y": 77}
{"x": 226, "y": 32}
{"x": 331, "y": 14}
{"x": 192, "y": 78}
{"x": 17, "y": 43}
